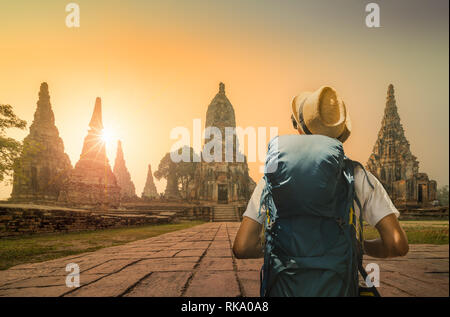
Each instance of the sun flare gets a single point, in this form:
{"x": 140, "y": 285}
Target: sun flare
{"x": 107, "y": 136}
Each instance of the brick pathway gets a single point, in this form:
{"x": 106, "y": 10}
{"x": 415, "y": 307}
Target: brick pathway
{"x": 199, "y": 262}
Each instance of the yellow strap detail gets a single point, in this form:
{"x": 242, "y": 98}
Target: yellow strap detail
{"x": 351, "y": 215}
{"x": 351, "y": 222}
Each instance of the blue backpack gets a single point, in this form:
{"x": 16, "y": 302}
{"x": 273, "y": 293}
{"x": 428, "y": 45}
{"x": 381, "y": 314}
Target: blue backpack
{"x": 312, "y": 236}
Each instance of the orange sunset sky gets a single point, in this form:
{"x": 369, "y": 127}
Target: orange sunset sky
{"x": 157, "y": 65}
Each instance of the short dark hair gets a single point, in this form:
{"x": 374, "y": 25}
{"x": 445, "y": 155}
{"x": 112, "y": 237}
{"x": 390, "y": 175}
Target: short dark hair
{"x": 294, "y": 122}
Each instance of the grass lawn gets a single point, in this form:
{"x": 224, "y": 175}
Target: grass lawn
{"x": 37, "y": 248}
{"x": 418, "y": 231}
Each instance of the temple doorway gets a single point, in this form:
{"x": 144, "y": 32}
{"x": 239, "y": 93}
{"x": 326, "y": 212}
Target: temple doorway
{"x": 222, "y": 195}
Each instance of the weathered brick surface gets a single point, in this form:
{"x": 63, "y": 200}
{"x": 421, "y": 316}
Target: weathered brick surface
{"x": 216, "y": 264}
{"x": 198, "y": 262}
{"x": 250, "y": 283}
{"x": 169, "y": 284}
{"x": 109, "y": 267}
{"x": 213, "y": 283}
{"x": 195, "y": 252}
{"x": 51, "y": 291}
{"x": 113, "y": 284}
{"x": 48, "y": 281}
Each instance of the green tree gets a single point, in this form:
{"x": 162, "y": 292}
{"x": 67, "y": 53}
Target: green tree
{"x": 166, "y": 166}
{"x": 184, "y": 171}
{"x": 10, "y": 148}
{"x": 442, "y": 195}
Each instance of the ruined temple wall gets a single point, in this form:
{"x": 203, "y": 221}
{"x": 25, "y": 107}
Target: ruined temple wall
{"x": 15, "y": 221}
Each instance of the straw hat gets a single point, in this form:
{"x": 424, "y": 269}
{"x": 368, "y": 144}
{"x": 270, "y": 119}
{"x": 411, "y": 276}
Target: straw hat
{"x": 322, "y": 112}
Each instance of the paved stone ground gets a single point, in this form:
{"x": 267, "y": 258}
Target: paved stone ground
{"x": 199, "y": 262}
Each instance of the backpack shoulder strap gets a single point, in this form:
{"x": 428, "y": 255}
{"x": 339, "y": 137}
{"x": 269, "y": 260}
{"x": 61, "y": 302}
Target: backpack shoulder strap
{"x": 362, "y": 271}
{"x": 355, "y": 197}
{"x": 356, "y": 163}
{"x": 267, "y": 206}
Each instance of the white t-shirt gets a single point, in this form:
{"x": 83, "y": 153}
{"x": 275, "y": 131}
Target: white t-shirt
{"x": 375, "y": 202}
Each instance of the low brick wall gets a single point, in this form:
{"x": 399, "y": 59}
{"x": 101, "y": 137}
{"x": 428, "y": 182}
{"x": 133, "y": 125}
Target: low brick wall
{"x": 22, "y": 219}
{"x": 431, "y": 213}
{"x": 203, "y": 213}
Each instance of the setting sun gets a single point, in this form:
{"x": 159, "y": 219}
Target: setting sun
{"x": 107, "y": 136}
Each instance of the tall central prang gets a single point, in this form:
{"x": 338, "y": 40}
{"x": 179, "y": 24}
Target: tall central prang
{"x": 222, "y": 180}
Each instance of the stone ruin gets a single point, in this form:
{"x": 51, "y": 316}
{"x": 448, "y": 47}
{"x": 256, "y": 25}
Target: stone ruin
{"x": 48, "y": 174}
{"x": 92, "y": 181}
{"x": 222, "y": 181}
{"x": 43, "y": 166}
{"x": 123, "y": 177}
{"x": 395, "y": 166}
{"x": 150, "y": 191}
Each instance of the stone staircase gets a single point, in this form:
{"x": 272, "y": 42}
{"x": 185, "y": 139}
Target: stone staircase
{"x": 225, "y": 212}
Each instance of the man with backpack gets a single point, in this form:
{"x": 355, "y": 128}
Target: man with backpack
{"x": 308, "y": 206}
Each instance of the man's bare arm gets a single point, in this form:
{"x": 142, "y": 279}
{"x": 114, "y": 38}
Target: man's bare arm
{"x": 248, "y": 244}
{"x": 392, "y": 242}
